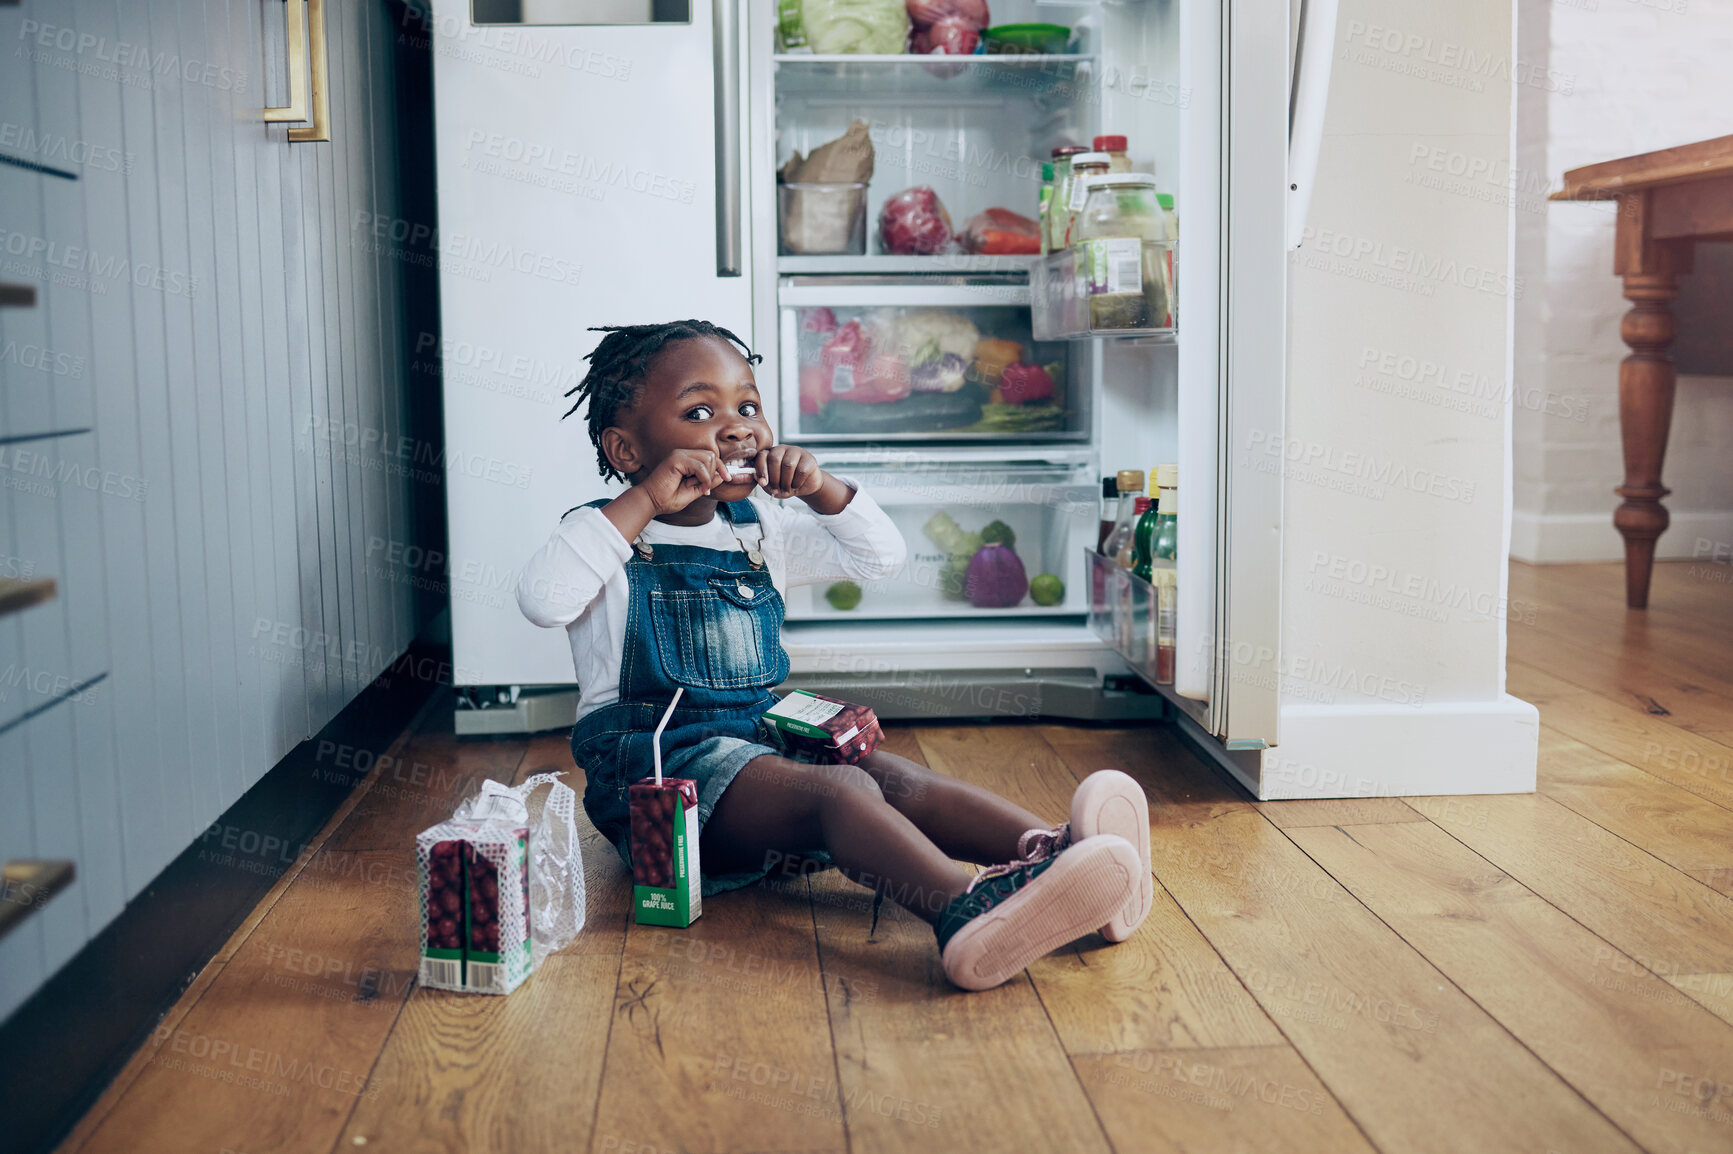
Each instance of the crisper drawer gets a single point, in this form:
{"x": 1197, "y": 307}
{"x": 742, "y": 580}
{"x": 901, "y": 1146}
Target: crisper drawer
{"x": 1038, "y": 521}
{"x": 894, "y": 360}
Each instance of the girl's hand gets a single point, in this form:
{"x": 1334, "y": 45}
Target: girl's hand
{"x": 683, "y": 476}
{"x": 789, "y": 471}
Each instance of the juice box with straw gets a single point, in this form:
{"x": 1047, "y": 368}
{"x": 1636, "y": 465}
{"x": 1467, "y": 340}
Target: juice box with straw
{"x": 664, "y": 822}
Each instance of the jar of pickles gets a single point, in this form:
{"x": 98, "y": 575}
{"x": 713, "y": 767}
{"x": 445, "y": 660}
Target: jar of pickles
{"x": 1123, "y": 248}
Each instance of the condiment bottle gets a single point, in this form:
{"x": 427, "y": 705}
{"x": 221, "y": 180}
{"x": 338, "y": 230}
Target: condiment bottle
{"x": 1165, "y": 199}
{"x": 1163, "y": 572}
{"x": 1085, "y": 166}
{"x": 1129, "y": 484}
{"x": 1114, "y": 147}
{"x": 1061, "y": 193}
{"x": 1109, "y": 511}
{"x": 1046, "y": 203}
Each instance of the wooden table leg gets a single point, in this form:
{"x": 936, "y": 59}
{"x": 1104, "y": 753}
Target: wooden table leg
{"x": 1646, "y": 380}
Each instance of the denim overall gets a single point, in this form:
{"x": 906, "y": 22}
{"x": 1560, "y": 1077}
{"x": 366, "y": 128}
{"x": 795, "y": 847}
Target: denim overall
{"x": 710, "y": 621}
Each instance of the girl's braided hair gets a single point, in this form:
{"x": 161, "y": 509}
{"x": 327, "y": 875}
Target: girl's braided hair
{"x": 618, "y": 366}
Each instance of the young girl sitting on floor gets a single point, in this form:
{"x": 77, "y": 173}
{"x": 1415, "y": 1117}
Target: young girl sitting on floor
{"x": 678, "y": 582}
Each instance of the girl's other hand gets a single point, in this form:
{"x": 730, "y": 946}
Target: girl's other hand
{"x": 789, "y": 471}
{"x": 683, "y": 476}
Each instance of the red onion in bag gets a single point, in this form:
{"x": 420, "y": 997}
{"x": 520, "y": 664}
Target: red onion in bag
{"x": 914, "y": 223}
{"x": 923, "y": 13}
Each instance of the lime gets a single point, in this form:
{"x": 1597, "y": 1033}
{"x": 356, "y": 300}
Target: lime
{"x": 843, "y": 595}
{"x": 1047, "y": 590}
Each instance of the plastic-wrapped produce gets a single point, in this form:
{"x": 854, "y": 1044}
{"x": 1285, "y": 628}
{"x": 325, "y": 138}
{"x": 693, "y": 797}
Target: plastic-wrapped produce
{"x": 1000, "y": 232}
{"x": 946, "y": 27}
{"x": 914, "y": 223}
{"x": 850, "y": 27}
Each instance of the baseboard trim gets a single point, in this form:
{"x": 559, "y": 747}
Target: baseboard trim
{"x": 1559, "y": 538}
{"x": 66, "y": 1043}
{"x": 1378, "y": 750}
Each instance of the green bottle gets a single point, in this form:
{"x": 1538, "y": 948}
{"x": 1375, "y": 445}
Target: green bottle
{"x": 1144, "y": 536}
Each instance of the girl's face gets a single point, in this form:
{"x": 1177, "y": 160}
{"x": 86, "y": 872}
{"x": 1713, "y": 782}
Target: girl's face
{"x": 699, "y": 394}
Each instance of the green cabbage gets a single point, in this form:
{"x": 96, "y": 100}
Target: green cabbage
{"x": 851, "y": 27}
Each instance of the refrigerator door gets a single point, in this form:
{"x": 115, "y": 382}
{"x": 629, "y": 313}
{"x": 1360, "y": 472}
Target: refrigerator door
{"x": 577, "y": 170}
{"x": 1232, "y": 363}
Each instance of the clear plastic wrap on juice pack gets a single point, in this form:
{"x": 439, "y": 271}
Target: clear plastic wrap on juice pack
{"x": 502, "y": 886}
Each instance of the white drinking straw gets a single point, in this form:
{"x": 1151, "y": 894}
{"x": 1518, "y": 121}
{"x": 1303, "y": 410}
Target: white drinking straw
{"x": 656, "y": 741}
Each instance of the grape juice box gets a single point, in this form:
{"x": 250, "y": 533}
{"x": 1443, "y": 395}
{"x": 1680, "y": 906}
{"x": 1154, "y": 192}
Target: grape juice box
{"x": 475, "y": 915}
{"x": 824, "y": 728}
{"x": 665, "y": 884}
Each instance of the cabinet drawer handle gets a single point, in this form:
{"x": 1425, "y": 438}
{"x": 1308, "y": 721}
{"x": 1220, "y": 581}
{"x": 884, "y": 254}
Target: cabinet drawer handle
{"x": 308, "y": 113}
{"x": 295, "y": 111}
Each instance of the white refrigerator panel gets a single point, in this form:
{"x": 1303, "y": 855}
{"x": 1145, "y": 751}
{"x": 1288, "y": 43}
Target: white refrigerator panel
{"x": 577, "y": 187}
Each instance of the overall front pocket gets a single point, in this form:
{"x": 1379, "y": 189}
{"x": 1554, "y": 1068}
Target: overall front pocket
{"x": 724, "y": 636}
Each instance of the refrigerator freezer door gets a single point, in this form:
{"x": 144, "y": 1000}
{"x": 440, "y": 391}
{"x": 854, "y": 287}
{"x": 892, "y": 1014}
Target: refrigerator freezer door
{"x": 577, "y": 187}
{"x": 1232, "y": 364}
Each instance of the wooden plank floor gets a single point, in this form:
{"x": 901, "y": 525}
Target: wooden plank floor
{"x": 1542, "y": 972}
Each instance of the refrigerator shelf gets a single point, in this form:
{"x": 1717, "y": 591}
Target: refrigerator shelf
{"x": 908, "y": 77}
{"x": 885, "y": 265}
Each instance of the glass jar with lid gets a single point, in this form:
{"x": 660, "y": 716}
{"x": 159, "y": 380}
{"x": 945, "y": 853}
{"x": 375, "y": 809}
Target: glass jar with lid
{"x": 1121, "y": 234}
{"x": 1085, "y": 166}
{"x": 1114, "y": 147}
{"x": 1056, "y": 216}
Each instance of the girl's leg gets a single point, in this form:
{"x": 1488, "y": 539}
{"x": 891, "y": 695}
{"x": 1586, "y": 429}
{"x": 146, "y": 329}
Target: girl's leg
{"x": 966, "y": 821}
{"x": 778, "y": 807}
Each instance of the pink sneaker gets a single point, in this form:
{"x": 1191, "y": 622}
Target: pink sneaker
{"x": 1012, "y": 914}
{"x": 1108, "y": 801}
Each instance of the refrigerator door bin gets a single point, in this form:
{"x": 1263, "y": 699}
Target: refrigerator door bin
{"x": 942, "y": 511}
{"x": 883, "y": 360}
{"x": 1062, "y": 307}
{"x": 1122, "y": 613}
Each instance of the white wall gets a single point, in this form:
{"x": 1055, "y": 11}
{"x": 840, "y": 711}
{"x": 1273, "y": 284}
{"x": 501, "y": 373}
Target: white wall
{"x": 181, "y": 466}
{"x": 1398, "y": 428}
{"x": 1642, "y": 75}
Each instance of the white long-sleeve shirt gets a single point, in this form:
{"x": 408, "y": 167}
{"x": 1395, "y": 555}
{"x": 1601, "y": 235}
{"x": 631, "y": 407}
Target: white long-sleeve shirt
{"x": 578, "y": 579}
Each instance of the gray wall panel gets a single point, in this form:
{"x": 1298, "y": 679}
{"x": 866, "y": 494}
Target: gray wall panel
{"x": 240, "y": 380}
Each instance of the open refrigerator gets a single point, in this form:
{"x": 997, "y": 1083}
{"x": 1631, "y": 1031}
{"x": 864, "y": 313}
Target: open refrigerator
{"x": 1219, "y": 99}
